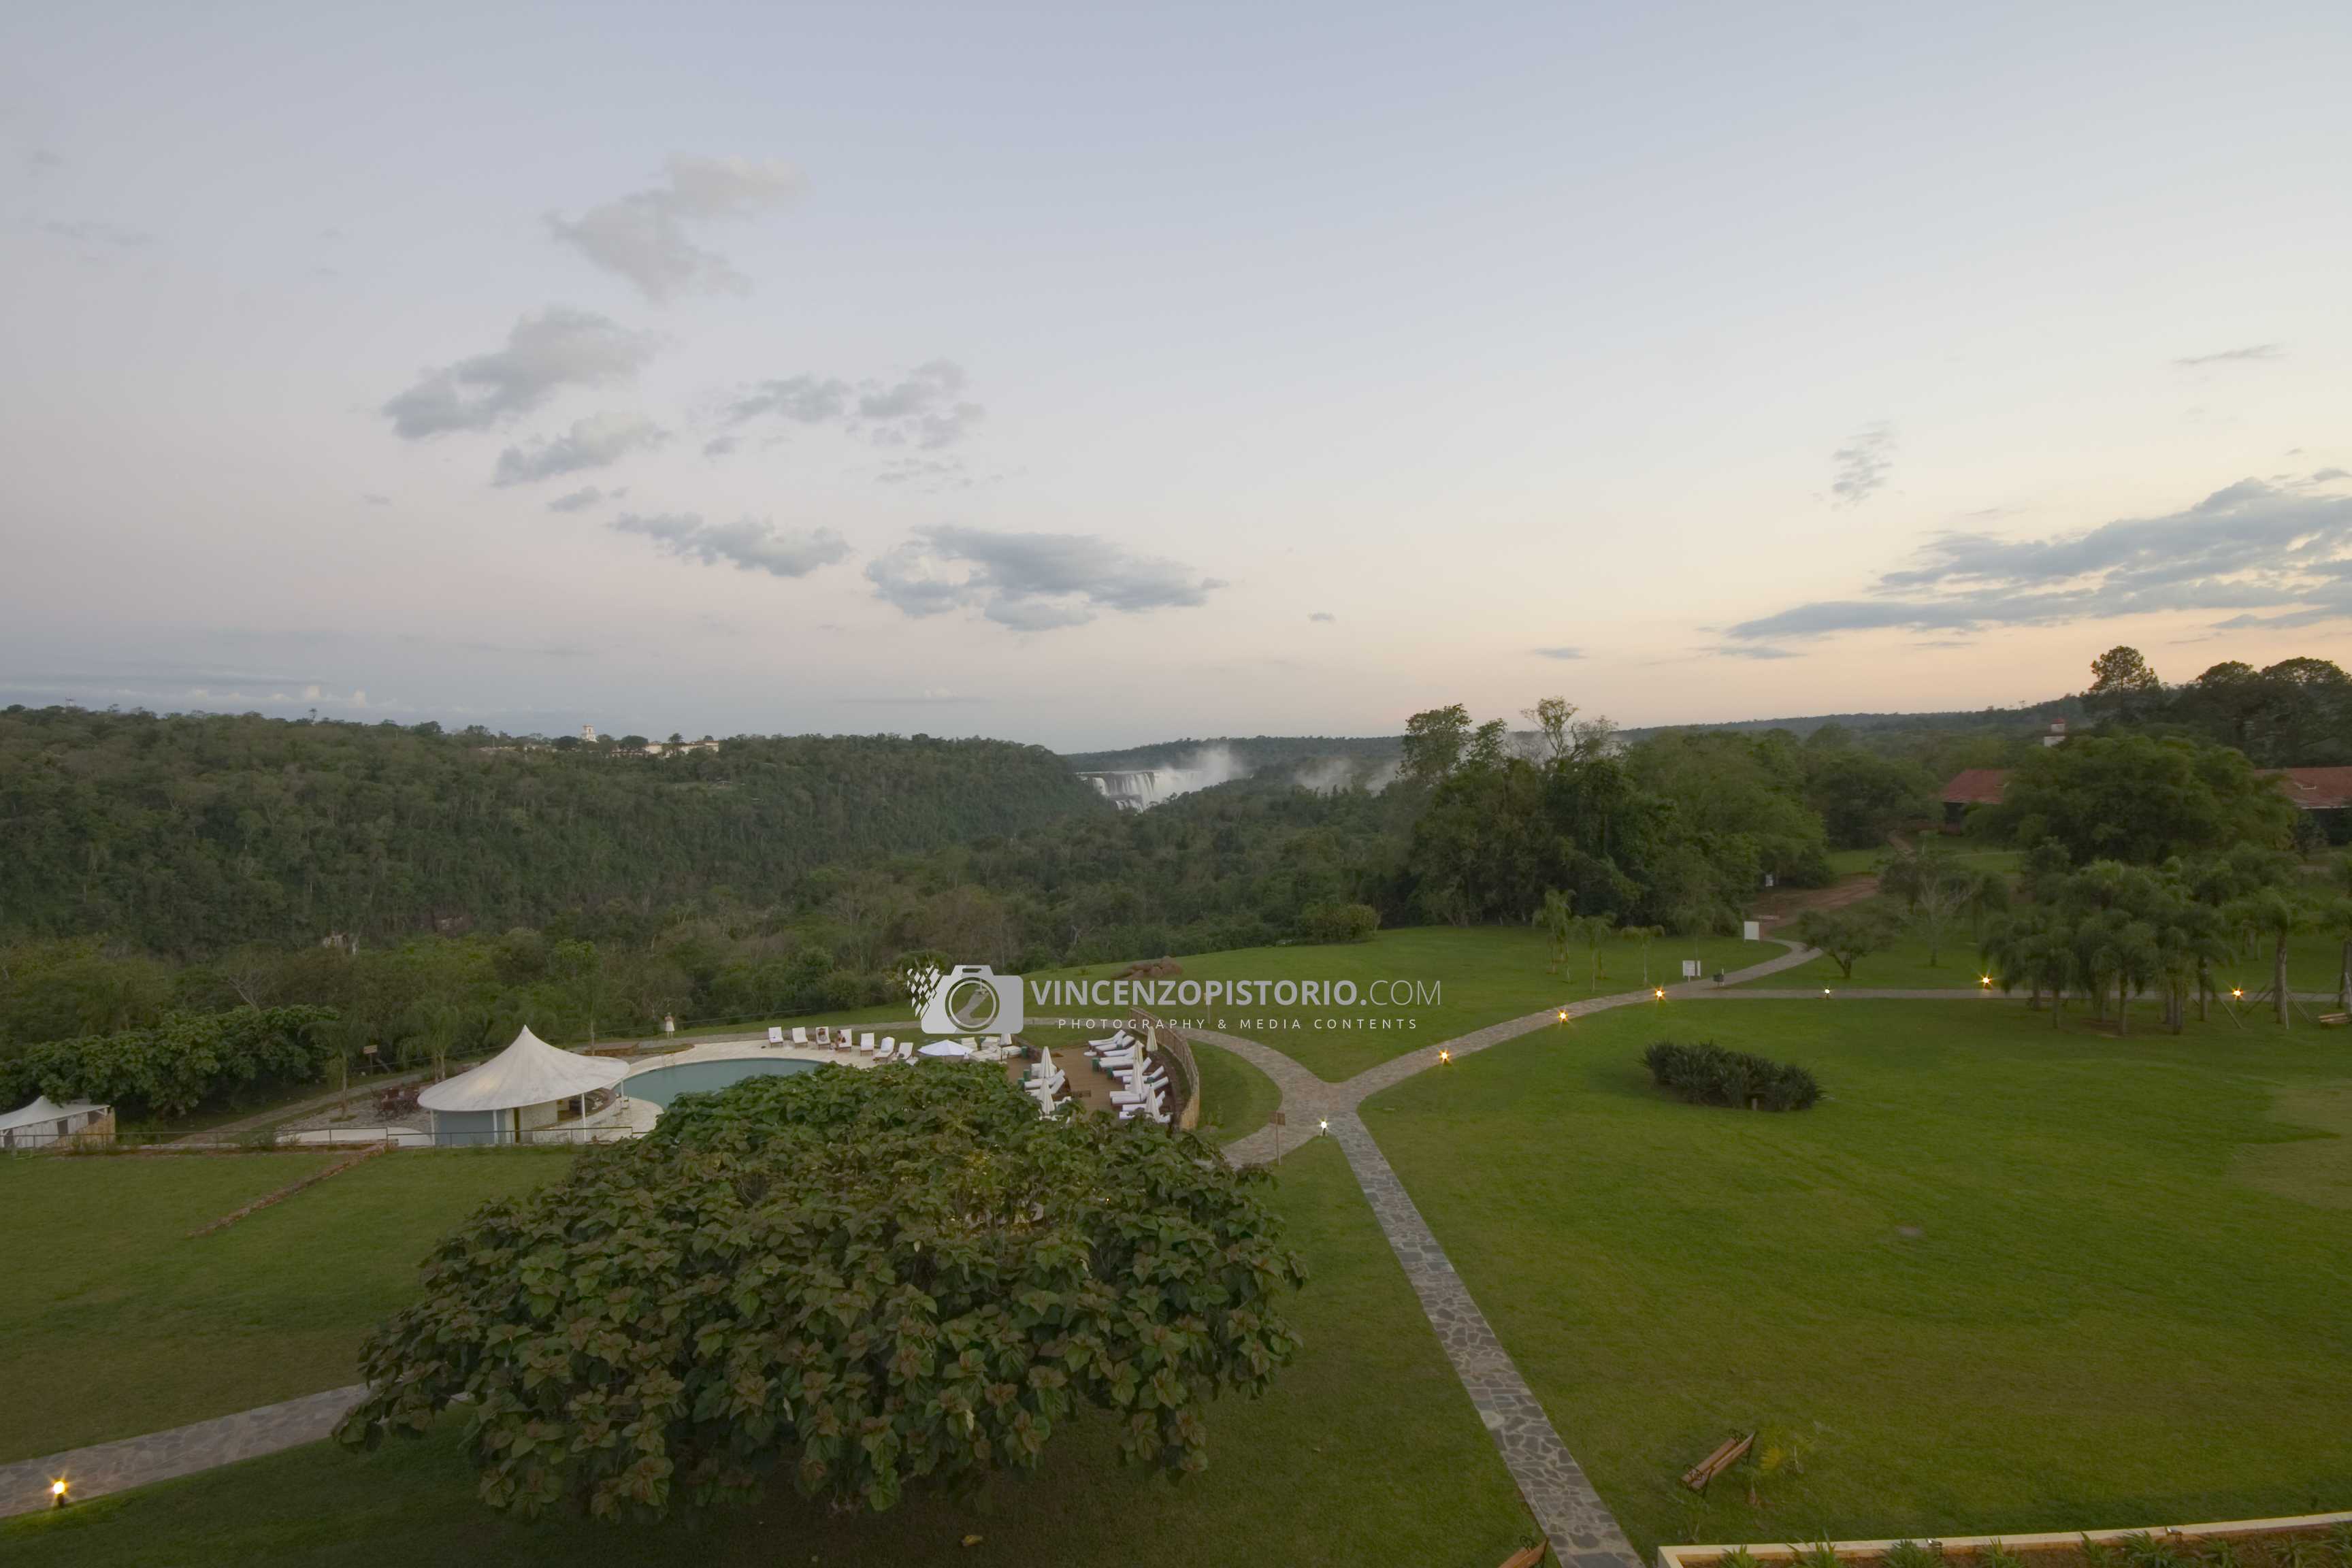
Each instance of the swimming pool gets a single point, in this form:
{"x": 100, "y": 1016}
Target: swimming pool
{"x": 660, "y": 1085}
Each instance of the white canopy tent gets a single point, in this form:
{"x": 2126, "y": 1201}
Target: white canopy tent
{"x": 44, "y": 1122}
{"x": 519, "y": 1089}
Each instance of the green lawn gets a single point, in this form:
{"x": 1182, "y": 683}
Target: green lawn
{"x": 2006, "y": 1277}
{"x": 114, "y": 1322}
{"x": 1485, "y": 975}
{"x": 1367, "y": 1453}
{"x": 1855, "y": 862}
{"x": 1903, "y": 966}
{"x": 1235, "y": 1097}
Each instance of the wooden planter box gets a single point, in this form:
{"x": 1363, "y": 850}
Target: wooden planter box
{"x": 2051, "y": 1543}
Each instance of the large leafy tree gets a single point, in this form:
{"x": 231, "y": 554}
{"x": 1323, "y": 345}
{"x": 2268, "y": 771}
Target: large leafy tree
{"x": 862, "y": 1280}
{"x": 2140, "y": 799}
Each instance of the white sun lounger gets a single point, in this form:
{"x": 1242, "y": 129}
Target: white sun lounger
{"x": 800, "y": 1036}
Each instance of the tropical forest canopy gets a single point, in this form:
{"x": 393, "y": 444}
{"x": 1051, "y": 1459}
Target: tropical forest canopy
{"x": 437, "y": 890}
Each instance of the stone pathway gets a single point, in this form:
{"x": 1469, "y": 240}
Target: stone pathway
{"x": 1568, "y": 1510}
{"x": 182, "y": 1451}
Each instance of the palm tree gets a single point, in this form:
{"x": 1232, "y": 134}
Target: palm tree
{"x": 2138, "y": 964}
{"x": 1645, "y": 935}
{"x": 2269, "y": 912}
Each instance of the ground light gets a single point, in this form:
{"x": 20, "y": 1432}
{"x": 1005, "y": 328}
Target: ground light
{"x": 1323, "y": 1124}
{"x": 1658, "y": 992}
{"x": 1985, "y": 980}
{"x": 1443, "y": 1057}
{"x": 57, "y": 1492}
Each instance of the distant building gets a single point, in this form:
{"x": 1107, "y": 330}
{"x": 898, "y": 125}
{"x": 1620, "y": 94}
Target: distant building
{"x": 2057, "y": 735}
{"x": 2307, "y": 789}
{"x": 1973, "y": 786}
{"x": 588, "y": 734}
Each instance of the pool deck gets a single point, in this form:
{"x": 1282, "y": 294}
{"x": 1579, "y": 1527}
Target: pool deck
{"x": 638, "y": 1116}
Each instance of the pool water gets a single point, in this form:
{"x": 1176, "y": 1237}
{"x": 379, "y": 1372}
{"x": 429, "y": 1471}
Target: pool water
{"x": 659, "y": 1086}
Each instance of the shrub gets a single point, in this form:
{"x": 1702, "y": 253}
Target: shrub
{"x": 862, "y": 1280}
{"x": 180, "y": 1063}
{"x": 1338, "y": 923}
{"x": 1706, "y": 1074}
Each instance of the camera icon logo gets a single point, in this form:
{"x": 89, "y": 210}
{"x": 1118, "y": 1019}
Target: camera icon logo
{"x": 973, "y": 999}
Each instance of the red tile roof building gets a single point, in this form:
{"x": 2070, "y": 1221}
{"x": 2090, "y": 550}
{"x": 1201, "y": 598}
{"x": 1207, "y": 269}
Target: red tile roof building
{"x": 2309, "y": 789}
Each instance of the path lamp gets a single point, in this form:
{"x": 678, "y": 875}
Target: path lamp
{"x": 1323, "y": 1125}
{"x": 1658, "y": 993}
{"x": 1985, "y": 980}
{"x": 1444, "y": 1058}
{"x": 57, "y": 1492}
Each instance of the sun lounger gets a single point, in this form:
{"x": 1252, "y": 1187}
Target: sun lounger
{"x": 800, "y": 1036}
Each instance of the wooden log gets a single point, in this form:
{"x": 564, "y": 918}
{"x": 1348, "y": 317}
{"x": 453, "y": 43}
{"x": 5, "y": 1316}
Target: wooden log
{"x": 1528, "y": 1556}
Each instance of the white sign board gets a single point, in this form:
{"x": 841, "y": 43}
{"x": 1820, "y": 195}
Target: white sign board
{"x": 1751, "y": 931}
{"x": 1690, "y": 969}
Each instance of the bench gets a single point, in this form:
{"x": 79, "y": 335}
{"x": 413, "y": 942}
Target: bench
{"x": 2334, "y": 1020}
{"x": 1727, "y": 1454}
{"x": 1529, "y": 1556}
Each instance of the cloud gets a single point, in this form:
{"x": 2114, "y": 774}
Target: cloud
{"x": 596, "y": 442}
{"x": 1560, "y": 653}
{"x": 750, "y": 543}
{"x": 1324, "y": 616}
{"x": 929, "y": 474}
{"x": 577, "y": 500}
{"x": 924, "y": 408}
{"x": 1031, "y": 581}
{"x": 2251, "y": 547}
{"x": 2325, "y": 474}
{"x": 373, "y": 499}
{"x": 1751, "y": 650}
{"x": 1862, "y": 465}
{"x": 559, "y": 347}
{"x": 642, "y": 235}
{"x": 2252, "y": 353}
{"x": 97, "y": 231}
{"x": 718, "y": 445}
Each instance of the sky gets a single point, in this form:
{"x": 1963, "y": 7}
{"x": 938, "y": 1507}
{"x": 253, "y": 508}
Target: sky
{"x": 1091, "y": 376}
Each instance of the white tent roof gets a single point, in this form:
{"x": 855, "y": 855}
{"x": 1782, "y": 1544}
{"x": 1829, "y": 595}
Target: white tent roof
{"x": 43, "y": 1109}
{"x": 528, "y": 1072}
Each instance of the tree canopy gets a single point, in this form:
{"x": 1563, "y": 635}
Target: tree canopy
{"x": 865, "y": 1281}
{"x": 2140, "y": 799}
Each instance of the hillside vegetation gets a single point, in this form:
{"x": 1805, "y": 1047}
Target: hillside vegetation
{"x": 196, "y": 832}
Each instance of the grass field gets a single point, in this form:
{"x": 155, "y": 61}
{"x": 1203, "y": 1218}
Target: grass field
{"x": 2006, "y": 1277}
{"x": 1367, "y": 1453}
{"x": 1235, "y": 1097}
{"x": 1485, "y": 975}
{"x": 114, "y": 1322}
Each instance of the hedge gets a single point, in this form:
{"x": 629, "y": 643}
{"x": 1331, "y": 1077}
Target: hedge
{"x": 1706, "y": 1074}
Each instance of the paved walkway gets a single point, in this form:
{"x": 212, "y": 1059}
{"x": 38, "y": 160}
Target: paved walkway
{"x": 1566, "y": 1509}
{"x": 182, "y": 1451}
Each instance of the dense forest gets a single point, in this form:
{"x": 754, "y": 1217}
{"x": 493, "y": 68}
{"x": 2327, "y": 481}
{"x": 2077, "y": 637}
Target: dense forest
{"x": 192, "y": 834}
{"x": 437, "y": 889}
